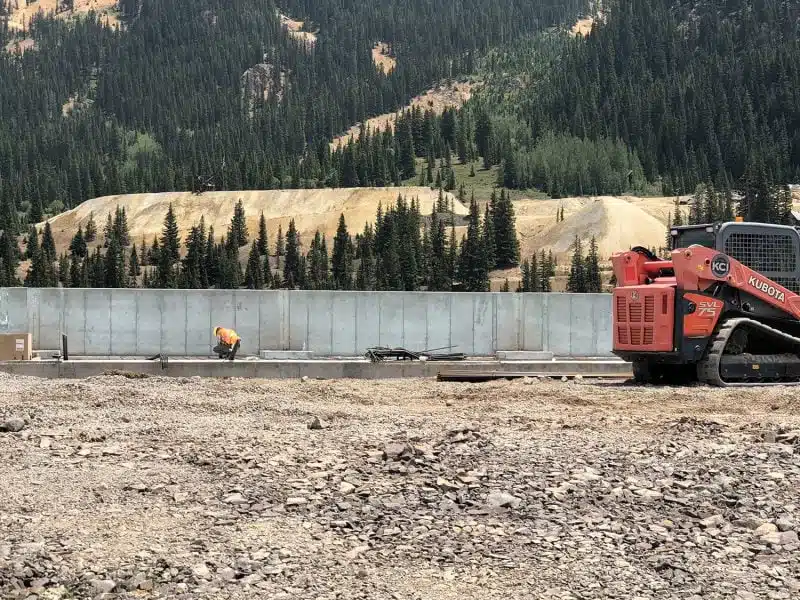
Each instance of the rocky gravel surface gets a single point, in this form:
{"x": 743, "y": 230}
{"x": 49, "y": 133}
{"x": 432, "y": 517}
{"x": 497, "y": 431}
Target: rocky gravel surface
{"x": 117, "y": 487}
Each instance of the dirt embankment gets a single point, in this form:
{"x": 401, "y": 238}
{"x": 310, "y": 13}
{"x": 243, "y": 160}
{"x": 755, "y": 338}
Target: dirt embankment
{"x": 311, "y": 209}
{"x": 169, "y": 487}
{"x": 382, "y": 58}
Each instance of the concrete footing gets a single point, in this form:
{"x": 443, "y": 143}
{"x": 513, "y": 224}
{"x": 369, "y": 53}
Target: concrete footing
{"x": 313, "y": 369}
{"x": 523, "y": 355}
{"x": 285, "y": 354}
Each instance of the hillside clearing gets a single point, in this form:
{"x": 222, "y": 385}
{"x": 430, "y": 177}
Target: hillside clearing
{"x": 382, "y": 59}
{"x": 451, "y": 95}
{"x": 295, "y": 29}
{"x": 20, "y": 17}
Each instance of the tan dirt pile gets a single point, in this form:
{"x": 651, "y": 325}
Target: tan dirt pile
{"x": 162, "y": 487}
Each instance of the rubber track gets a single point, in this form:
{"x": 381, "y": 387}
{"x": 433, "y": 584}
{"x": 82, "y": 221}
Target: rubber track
{"x": 708, "y": 369}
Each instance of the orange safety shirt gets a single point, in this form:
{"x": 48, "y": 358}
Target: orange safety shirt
{"x": 228, "y": 336}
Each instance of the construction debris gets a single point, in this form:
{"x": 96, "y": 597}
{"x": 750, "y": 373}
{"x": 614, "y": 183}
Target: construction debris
{"x": 382, "y": 353}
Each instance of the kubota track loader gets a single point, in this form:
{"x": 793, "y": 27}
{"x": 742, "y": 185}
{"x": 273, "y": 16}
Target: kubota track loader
{"x": 724, "y": 310}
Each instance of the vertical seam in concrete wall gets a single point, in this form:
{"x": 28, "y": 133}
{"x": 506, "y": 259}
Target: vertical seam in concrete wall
{"x": 110, "y": 324}
{"x": 380, "y": 312}
{"x": 427, "y": 334}
{"x": 473, "y": 325}
{"x": 403, "y": 320}
{"x": 355, "y": 322}
{"x": 450, "y": 322}
{"x": 332, "y": 319}
{"x": 571, "y": 308}
{"x": 185, "y": 324}
{"x": 287, "y": 304}
{"x": 260, "y": 297}
{"x": 307, "y": 343}
{"x": 85, "y": 294}
{"x": 136, "y": 296}
{"x": 544, "y": 322}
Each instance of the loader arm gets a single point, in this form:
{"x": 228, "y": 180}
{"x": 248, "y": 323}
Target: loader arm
{"x": 699, "y": 268}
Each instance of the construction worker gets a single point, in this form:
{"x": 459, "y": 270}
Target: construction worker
{"x": 228, "y": 342}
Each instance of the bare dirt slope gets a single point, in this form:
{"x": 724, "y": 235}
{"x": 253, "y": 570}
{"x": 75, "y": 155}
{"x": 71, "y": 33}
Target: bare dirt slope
{"x": 295, "y": 29}
{"x": 436, "y": 99}
{"x": 412, "y": 489}
{"x": 311, "y": 209}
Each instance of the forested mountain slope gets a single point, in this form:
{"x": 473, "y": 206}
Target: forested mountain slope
{"x": 220, "y": 89}
{"x": 704, "y": 91}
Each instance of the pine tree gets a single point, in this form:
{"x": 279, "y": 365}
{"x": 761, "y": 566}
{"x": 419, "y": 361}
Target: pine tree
{"x": 77, "y": 246}
{"x": 115, "y": 264}
{"x": 135, "y": 268}
{"x": 169, "y": 252}
{"x": 237, "y": 234}
{"x": 280, "y": 244}
{"x": 506, "y": 241}
{"x": 488, "y": 238}
{"x": 473, "y": 268}
{"x": 9, "y": 261}
{"x": 366, "y": 275}
{"x": 525, "y": 270}
{"x": 91, "y": 229}
{"x": 36, "y": 214}
{"x": 108, "y": 231}
{"x": 120, "y": 227}
{"x": 594, "y": 283}
{"x": 291, "y": 267}
{"x": 254, "y": 274}
{"x": 576, "y": 283}
{"x": 341, "y": 261}
{"x": 536, "y": 277}
{"x": 48, "y": 244}
{"x": 263, "y": 245}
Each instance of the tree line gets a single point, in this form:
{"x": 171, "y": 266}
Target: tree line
{"x": 402, "y": 250}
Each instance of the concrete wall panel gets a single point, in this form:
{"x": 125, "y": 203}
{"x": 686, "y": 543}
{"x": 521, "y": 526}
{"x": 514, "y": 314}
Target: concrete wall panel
{"x": 124, "y": 315}
{"x": 14, "y": 310}
{"x": 532, "y": 322}
{"x": 199, "y": 328}
{"x": 438, "y": 321}
{"x": 298, "y": 316}
{"x": 174, "y": 317}
{"x": 415, "y": 321}
{"x": 391, "y": 319}
{"x": 603, "y": 327}
{"x": 50, "y": 319}
{"x": 272, "y": 330}
{"x": 508, "y": 321}
{"x": 344, "y": 318}
{"x": 462, "y": 321}
{"x": 583, "y": 337}
{"x": 558, "y": 320}
{"x": 75, "y": 320}
{"x": 247, "y": 320}
{"x": 320, "y": 322}
{"x": 368, "y": 321}
{"x": 148, "y": 323}
{"x": 484, "y": 334}
{"x": 98, "y": 322}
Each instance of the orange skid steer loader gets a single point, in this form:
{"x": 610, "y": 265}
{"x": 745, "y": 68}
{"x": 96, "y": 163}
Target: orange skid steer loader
{"x": 724, "y": 310}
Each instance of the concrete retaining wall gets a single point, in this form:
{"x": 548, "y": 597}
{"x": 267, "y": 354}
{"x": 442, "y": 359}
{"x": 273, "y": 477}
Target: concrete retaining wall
{"x": 135, "y": 322}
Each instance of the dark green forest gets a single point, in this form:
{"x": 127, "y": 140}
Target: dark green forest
{"x": 161, "y": 102}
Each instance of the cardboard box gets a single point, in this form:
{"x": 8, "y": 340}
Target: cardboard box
{"x": 16, "y": 346}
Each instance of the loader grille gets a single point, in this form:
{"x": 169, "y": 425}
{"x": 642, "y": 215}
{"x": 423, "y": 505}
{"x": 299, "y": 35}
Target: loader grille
{"x": 643, "y": 318}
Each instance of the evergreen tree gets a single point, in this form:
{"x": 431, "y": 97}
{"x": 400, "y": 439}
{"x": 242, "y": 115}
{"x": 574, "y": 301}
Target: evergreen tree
{"x": 506, "y": 241}
{"x": 115, "y": 276}
{"x": 91, "y": 229}
{"x": 594, "y": 282}
{"x": 48, "y": 243}
{"x": 488, "y": 238}
{"x": 291, "y": 267}
{"x": 263, "y": 245}
{"x": 473, "y": 268}
{"x": 135, "y": 269}
{"x": 280, "y": 243}
{"x": 576, "y": 283}
{"x": 237, "y": 235}
{"x": 341, "y": 260}
{"x": 168, "y": 254}
{"x": 77, "y": 246}
{"x": 254, "y": 274}
{"x": 36, "y": 214}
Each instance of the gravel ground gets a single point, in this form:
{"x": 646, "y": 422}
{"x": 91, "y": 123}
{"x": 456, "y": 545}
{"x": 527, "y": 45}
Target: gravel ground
{"x": 409, "y": 489}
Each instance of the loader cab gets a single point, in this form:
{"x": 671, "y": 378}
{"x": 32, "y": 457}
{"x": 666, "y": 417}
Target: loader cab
{"x": 772, "y": 250}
